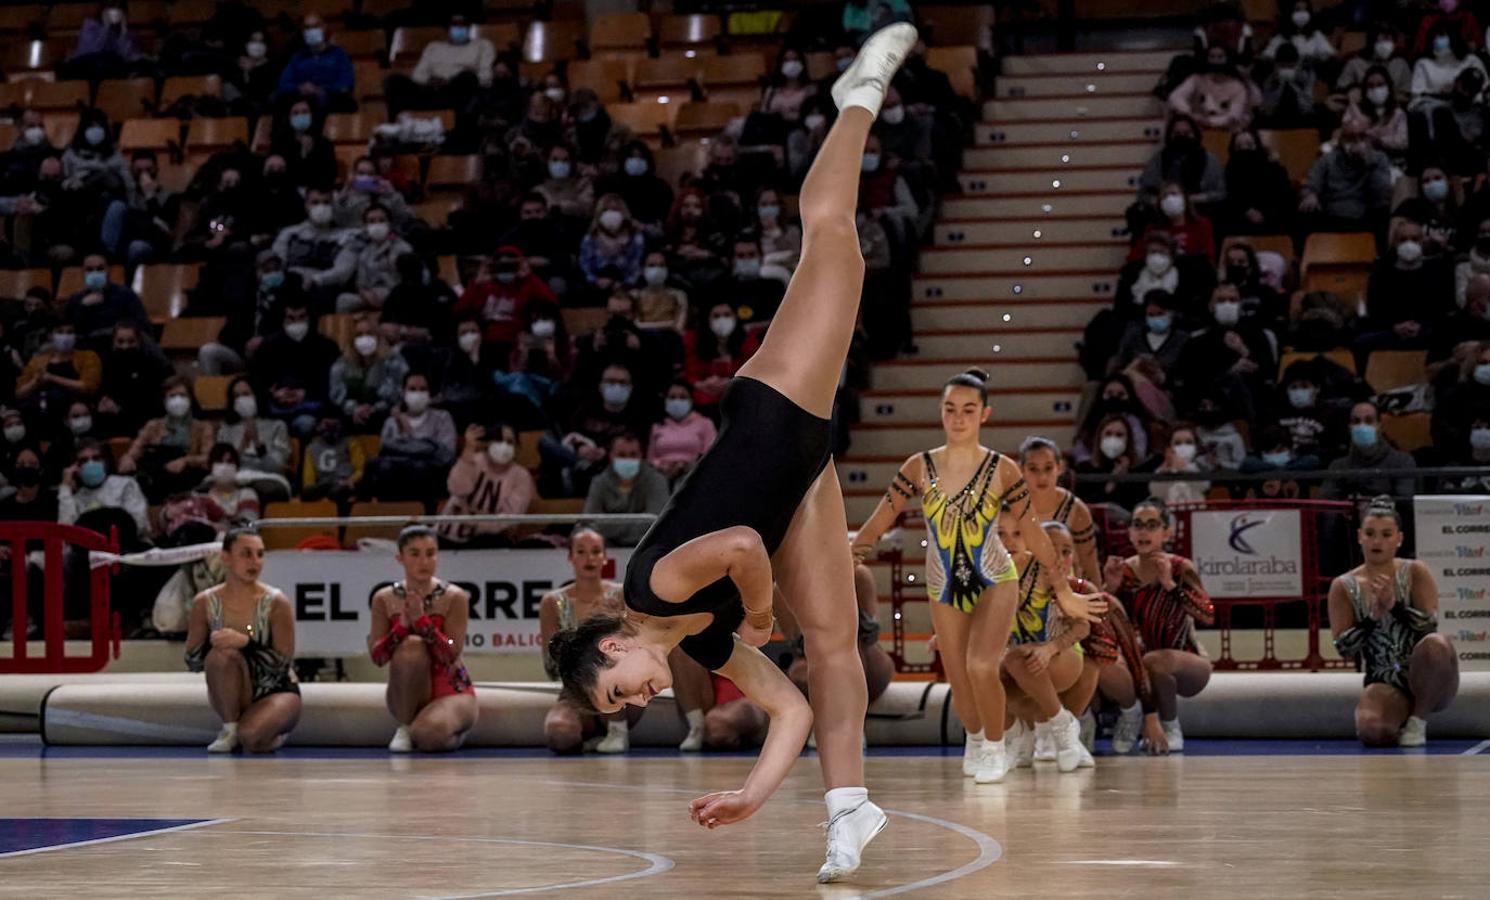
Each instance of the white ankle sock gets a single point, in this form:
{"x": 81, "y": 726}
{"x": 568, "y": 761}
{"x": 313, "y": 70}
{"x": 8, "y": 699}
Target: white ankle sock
{"x": 844, "y": 799}
{"x": 695, "y": 719}
{"x": 976, "y": 735}
{"x": 617, "y": 726}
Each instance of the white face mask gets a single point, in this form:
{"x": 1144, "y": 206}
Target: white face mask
{"x": 255, "y": 49}
{"x": 1228, "y": 312}
{"x": 1409, "y": 251}
{"x": 1287, "y": 74}
{"x": 1385, "y": 49}
{"x": 543, "y": 329}
{"x": 1378, "y": 95}
{"x": 893, "y": 115}
{"x": 224, "y": 471}
{"x": 612, "y": 219}
{"x": 1113, "y": 446}
{"x": 80, "y": 424}
{"x": 377, "y": 231}
{"x": 655, "y": 276}
{"x": 246, "y": 406}
{"x": 296, "y": 331}
{"x": 501, "y": 452}
{"x": 555, "y": 94}
{"x": 469, "y": 340}
{"x": 416, "y": 401}
{"x": 320, "y": 213}
{"x": 792, "y": 68}
{"x": 364, "y": 344}
{"x": 1157, "y": 263}
{"x": 722, "y": 326}
{"x": 1172, "y": 205}
{"x": 35, "y": 134}
{"x": 177, "y": 406}
{"x": 1301, "y": 18}
{"x": 1184, "y": 452}
{"x": 15, "y": 433}
{"x": 814, "y": 121}
{"x": 113, "y": 15}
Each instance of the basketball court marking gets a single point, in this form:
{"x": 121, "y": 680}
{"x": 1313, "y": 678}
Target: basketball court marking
{"x": 656, "y": 862}
{"x": 92, "y": 842}
{"x": 989, "y": 850}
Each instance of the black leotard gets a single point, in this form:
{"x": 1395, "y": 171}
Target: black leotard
{"x": 768, "y": 453}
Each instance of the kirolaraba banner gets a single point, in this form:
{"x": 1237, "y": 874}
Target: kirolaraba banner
{"x": 1248, "y": 553}
{"x": 1453, "y": 538}
{"x": 331, "y": 593}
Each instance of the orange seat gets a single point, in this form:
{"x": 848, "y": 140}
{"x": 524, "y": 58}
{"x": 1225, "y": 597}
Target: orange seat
{"x": 124, "y": 99}
{"x": 60, "y": 127}
{"x": 734, "y": 69}
{"x": 190, "y": 12}
{"x": 350, "y": 128}
{"x": 1348, "y": 281}
{"x": 642, "y": 118}
{"x": 189, "y": 334}
{"x": 363, "y": 44}
{"x": 150, "y": 134}
{"x": 179, "y": 86}
{"x": 1390, "y": 369}
{"x": 707, "y": 118}
{"x": 14, "y": 283}
{"x": 1341, "y": 356}
{"x": 215, "y": 134}
{"x": 163, "y": 288}
{"x": 1327, "y": 247}
{"x": 14, "y": 19}
{"x": 688, "y": 30}
{"x": 436, "y": 210}
{"x": 673, "y": 70}
{"x": 339, "y": 327}
{"x": 1409, "y": 431}
{"x": 21, "y": 57}
{"x": 549, "y": 41}
{"x": 620, "y": 31}
{"x": 453, "y": 171}
{"x": 211, "y": 390}
{"x": 603, "y": 76}
{"x": 52, "y": 95}
{"x": 1296, "y": 148}
{"x": 367, "y": 79}
{"x": 290, "y": 537}
{"x": 944, "y": 26}
{"x": 960, "y": 65}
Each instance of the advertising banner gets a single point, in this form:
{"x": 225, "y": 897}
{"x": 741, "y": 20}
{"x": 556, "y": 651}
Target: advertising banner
{"x": 1453, "y": 538}
{"x": 1248, "y": 553}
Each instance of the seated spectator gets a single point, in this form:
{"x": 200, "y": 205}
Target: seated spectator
{"x": 1219, "y": 97}
{"x": 1370, "y": 452}
{"x": 263, "y": 444}
{"x": 576, "y": 457}
{"x": 697, "y": 243}
{"x": 1302, "y": 30}
{"x": 450, "y": 72}
{"x": 1259, "y": 196}
{"x": 419, "y": 306}
{"x": 20, "y": 165}
{"x": 1287, "y": 99}
{"x": 907, "y": 139}
{"x": 682, "y": 435}
{"x": 1160, "y": 268}
{"x": 220, "y": 502}
{"x": 569, "y": 193}
{"x": 1239, "y": 267}
{"x": 1116, "y": 396}
{"x": 251, "y": 319}
{"x": 755, "y": 288}
{"x": 1115, "y": 455}
{"x": 1436, "y": 209}
{"x": 364, "y": 189}
{"x": 1376, "y": 109}
{"x": 486, "y": 480}
{"x": 788, "y": 87}
{"x": 1475, "y": 262}
{"x": 105, "y": 47}
{"x": 277, "y": 203}
{"x": 214, "y": 226}
{"x": 1454, "y": 337}
{"x": 781, "y": 239}
{"x": 148, "y": 231}
{"x": 650, "y": 356}
{"x": 319, "y": 71}
{"x": 102, "y": 304}
{"x": 614, "y": 242}
{"x": 1182, "y": 456}
{"x": 1449, "y": 18}
{"x": 549, "y": 252}
{"x": 1182, "y": 160}
{"x": 32, "y": 501}
{"x": 418, "y": 446}
{"x": 373, "y": 257}
{"x": 1455, "y": 131}
{"x": 1273, "y": 452}
{"x": 366, "y": 380}
{"x": 1316, "y": 400}
{"x": 1463, "y": 396}
{"x": 309, "y": 158}
{"x": 313, "y": 249}
{"x": 1382, "y": 48}
{"x": 659, "y": 305}
{"x": 1349, "y": 187}
{"x": 1473, "y": 452}
{"x": 725, "y": 181}
{"x": 170, "y": 453}
{"x": 1407, "y": 294}
{"x": 1434, "y": 74}
{"x": 1192, "y": 233}
{"x": 95, "y": 174}
{"x": 592, "y": 127}
{"x": 1231, "y": 356}
{"x": 885, "y": 194}
{"x": 90, "y": 485}
{"x": 647, "y": 196}
{"x": 1159, "y": 335}
{"x": 129, "y": 392}
{"x": 628, "y": 486}
{"x": 499, "y": 295}
{"x": 250, "y": 83}
{"x": 296, "y": 351}
{"x": 60, "y": 374}
{"x": 542, "y": 360}
{"x": 711, "y": 359}
{"x": 333, "y": 463}
{"x": 464, "y": 373}
{"x": 15, "y": 434}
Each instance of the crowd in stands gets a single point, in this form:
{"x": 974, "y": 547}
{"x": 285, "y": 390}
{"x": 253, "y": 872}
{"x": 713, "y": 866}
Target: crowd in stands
{"x": 559, "y": 321}
{"x": 1309, "y": 284}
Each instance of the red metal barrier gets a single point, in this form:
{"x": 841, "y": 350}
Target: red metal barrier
{"x": 105, "y": 630}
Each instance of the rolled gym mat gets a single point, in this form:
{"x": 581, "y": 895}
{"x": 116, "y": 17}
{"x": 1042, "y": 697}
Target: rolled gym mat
{"x": 20, "y": 695}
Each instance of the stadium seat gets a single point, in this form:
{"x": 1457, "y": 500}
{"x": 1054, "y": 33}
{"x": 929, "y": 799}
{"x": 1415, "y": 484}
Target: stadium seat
{"x": 643, "y": 119}
{"x": 367, "y": 79}
{"x": 960, "y": 63}
{"x": 704, "y": 118}
{"x": 694, "y": 30}
{"x": 1330, "y": 247}
{"x": 159, "y": 135}
{"x": 1340, "y": 355}
{"x": 290, "y": 537}
{"x": 9, "y": 131}
{"x": 338, "y": 327}
{"x": 1409, "y": 431}
{"x": 124, "y": 99}
{"x": 459, "y": 172}
{"x": 685, "y": 157}
{"x": 1390, "y": 369}
{"x": 1281, "y": 244}
{"x": 436, "y": 211}
{"x": 190, "y": 12}
{"x": 409, "y": 42}
{"x": 603, "y": 76}
{"x": 550, "y": 41}
{"x": 60, "y": 127}
{"x": 1296, "y": 149}
{"x": 211, "y": 135}
{"x": 620, "y": 31}
{"x": 189, "y": 334}
{"x": 211, "y": 390}
{"x": 1217, "y": 142}
{"x": 70, "y": 280}
{"x": 181, "y": 86}
{"x": 55, "y": 95}
{"x": 14, "y": 283}
{"x": 18, "y": 19}
{"x": 1348, "y": 281}
{"x": 668, "y": 71}
{"x": 370, "y": 444}
{"x": 363, "y": 45}
{"x": 15, "y": 94}
{"x": 584, "y": 320}
{"x": 734, "y": 70}
{"x": 176, "y": 177}
{"x": 410, "y": 510}
{"x": 527, "y": 449}
{"x": 350, "y": 128}
{"x": 163, "y": 287}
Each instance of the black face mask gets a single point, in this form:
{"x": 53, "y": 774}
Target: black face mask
{"x": 26, "y": 476}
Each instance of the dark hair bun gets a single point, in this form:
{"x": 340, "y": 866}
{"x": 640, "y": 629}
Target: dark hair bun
{"x": 977, "y": 373}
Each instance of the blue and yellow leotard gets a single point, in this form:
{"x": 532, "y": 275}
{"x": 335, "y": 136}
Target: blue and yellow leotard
{"x": 964, "y": 554}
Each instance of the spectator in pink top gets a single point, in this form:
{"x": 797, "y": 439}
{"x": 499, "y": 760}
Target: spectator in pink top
{"x": 488, "y": 480}
{"x": 682, "y": 436}
{"x": 1218, "y": 96}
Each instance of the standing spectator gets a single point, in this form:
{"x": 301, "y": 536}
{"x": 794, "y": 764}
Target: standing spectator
{"x": 366, "y": 380}
{"x": 170, "y": 453}
{"x": 682, "y": 436}
{"x": 450, "y": 72}
{"x": 486, "y": 480}
{"x": 263, "y": 444}
{"x": 105, "y": 48}
{"x": 129, "y": 394}
{"x": 647, "y": 196}
{"x": 333, "y": 463}
{"x": 418, "y": 446}
{"x": 1259, "y": 197}
{"x": 1301, "y": 29}
{"x": 1219, "y": 97}
{"x": 373, "y": 257}
{"x": 499, "y": 295}
{"x": 1349, "y": 187}
{"x": 60, "y": 374}
{"x": 1407, "y": 294}
{"x": 628, "y": 485}
{"x": 1369, "y": 450}
{"x": 614, "y": 241}
{"x": 319, "y": 72}
{"x": 313, "y": 249}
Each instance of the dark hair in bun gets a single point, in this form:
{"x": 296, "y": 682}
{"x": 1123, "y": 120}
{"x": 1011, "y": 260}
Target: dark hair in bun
{"x": 974, "y": 378}
{"x": 1383, "y": 505}
{"x": 576, "y": 657}
{"x": 1158, "y": 506}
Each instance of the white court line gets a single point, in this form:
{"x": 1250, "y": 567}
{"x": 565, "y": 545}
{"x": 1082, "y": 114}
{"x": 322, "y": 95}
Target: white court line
{"x": 1477, "y": 749}
{"x": 989, "y": 850}
{"x": 75, "y": 718}
{"x": 109, "y": 840}
{"x": 657, "y": 863}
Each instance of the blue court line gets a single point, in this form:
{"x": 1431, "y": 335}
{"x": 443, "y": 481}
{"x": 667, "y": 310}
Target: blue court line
{"x": 34, "y": 749}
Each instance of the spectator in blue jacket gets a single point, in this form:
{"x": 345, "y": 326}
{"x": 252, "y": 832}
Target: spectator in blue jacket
{"x": 320, "y": 71}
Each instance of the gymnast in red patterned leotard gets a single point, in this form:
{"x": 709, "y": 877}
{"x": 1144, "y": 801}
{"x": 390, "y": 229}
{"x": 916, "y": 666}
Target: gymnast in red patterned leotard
{"x": 1164, "y": 598}
{"x": 418, "y": 630}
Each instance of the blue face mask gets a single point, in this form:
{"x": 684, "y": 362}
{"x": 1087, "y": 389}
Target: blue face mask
{"x": 1482, "y": 374}
{"x": 314, "y": 37}
{"x": 271, "y": 280}
{"x": 1363, "y": 435}
{"x": 300, "y": 121}
{"x": 95, "y": 281}
{"x": 1158, "y": 324}
{"x": 1277, "y": 460}
{"x": 615, "y": 394}
{"x": 92, "y": 473}
{"x": 365, "y": 183}
{"x": 626, "y": 469}
{"x": 1442, "y": 44}
{"x": 635, "y": 166}
{"x": 459, "y": 34}
{"x": 678, "y": 408}
{"x": 94, "y": 134}
{"x": 1436, "y": 190}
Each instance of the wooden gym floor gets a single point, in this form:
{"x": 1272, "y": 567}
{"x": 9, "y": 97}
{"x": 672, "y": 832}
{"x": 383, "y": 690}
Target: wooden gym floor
{"x": 1274, "y": 820}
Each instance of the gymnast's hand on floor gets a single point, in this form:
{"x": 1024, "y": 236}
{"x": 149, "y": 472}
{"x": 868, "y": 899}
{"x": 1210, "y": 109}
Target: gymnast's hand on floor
{"x": 1082, "y": 607}
{"x": 722, "y": 808}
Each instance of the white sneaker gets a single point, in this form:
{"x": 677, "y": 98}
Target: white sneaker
{"x": 972, "y": 752}
{"x": 617, "y": 739}
{"x": 1414, "y": 733}
{"x": 402, "y": 742}
{"x": 227, "y": 739}
{"x": 694, "y": 742}
{"x": 866, "y": 80}
{"x": 848, "y": 834}
{"x": 1044, "y": 742}
{"x": 1174, "y": 736}
{"x": 1128, "y": 729}
{"x": 1021, "y": 741}
{"x": 1066, "y": 732}
{"x": 1089, "y": 731}
{"x": 993, "y": 764}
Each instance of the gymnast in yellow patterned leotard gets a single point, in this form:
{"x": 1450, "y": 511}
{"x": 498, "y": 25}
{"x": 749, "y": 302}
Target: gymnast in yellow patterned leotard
{"x": 969, "y": 575}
